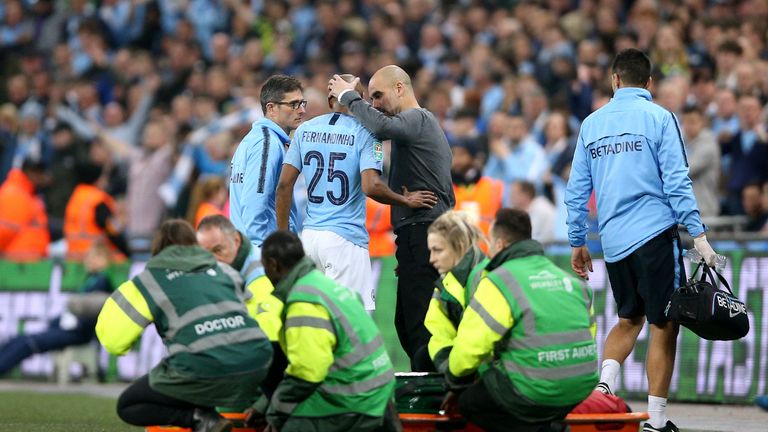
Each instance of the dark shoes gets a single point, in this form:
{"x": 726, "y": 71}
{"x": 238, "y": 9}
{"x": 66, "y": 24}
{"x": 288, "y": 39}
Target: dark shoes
{"x": 669, "y": 427}
{"x": 209, "y": 421}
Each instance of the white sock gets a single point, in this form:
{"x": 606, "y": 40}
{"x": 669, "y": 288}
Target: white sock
{"x": 608, "y": 372}
{"x": 657, "y": 411}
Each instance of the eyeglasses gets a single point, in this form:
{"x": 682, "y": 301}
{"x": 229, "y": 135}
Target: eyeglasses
{"x": 293, "y": 104}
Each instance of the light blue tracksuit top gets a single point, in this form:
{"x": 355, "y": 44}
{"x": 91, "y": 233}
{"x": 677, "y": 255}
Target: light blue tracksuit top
{"x": 631, "y": 152}
{"x": 255, "y": 170}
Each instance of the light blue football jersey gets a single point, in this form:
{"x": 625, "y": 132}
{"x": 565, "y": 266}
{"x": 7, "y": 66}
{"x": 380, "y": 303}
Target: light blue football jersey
{"x": 331, "y": 151}
{"x": 632, "y": 154}
{"x": 255, "y": 170}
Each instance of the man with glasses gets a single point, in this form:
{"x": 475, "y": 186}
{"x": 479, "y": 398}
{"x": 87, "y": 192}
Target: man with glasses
{"x": 258, "y": 160}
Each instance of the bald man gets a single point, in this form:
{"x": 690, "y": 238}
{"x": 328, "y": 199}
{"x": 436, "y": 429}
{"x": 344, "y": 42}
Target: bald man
{"x": 421, "y": 160}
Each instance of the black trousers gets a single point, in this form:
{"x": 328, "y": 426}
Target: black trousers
{"x": 140, "y": 405}
{"x": 415, "y": 281}
{"x": 477, "y": 406}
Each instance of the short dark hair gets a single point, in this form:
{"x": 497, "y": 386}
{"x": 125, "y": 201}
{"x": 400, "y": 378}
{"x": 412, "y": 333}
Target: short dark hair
{"x": 632, "y": 66}
{"x": 276, "y": 87}
{"x": 753, "y": 183}
{"x": 173, "y": 232}
{"x": 216, "y": 221}
{"x": 62, "y": 127}
{"x": 692, "y": 109}
{"x": 512, "y": 225}
{"x": 466, "y": 113}
{"x": 527, "y": 188}
{"x": 87, "y": 172}
{"x": 32, "y": 164}
{"x": 730, "y": 46}
{"x": 283, "y": 246}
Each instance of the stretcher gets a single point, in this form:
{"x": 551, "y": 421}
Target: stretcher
{"x": 624, "y": 422}
{"x": 418, "y": 397}
{"x": 425, "y": 422}
{"x": 237, "y": 419}
{"x": 629, "y": 422}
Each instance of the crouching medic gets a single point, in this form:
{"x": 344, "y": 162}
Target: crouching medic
{"x": 218, "y": 355}
{"x": 533, "y": 321}
{"x": 339, "y": 376}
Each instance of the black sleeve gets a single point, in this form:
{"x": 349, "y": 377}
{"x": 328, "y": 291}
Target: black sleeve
{"x": 103, "y": 215}
{"x": 381, "y": 125}
{"x": 276, "y": 371}
{"x": 726, "y": 147}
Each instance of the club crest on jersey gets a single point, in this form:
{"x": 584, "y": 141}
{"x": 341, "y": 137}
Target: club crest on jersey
{"x": 378, "y": 151}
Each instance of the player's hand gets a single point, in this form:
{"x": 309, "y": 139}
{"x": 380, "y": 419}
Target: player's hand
{"x": 581, "y": 261}
{"x": 336, "y": 85}
{"x": 702, "y": 246}
{"x": 254, "y": 418}
{"x": 450, "y": 404}
{"x": 420, "y": 199}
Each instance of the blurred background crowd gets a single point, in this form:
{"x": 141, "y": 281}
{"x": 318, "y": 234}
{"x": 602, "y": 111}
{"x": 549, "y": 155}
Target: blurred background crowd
{"x": 146, "y": 100}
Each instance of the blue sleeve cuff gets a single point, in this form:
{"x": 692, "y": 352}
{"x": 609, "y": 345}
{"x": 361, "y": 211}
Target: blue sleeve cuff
{"x": 698, "y": 231}
{"x": 576, "y": 242}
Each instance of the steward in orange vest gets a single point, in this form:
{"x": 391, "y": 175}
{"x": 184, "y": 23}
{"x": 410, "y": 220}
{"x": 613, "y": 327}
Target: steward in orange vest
{"x": 206, "y": 209}
{"x": 23, "y": 223}
{"x": 478, "y": 195}
{"x": 379, "y": 225}
{"x": 208, "y": 198}
{"x": 90, "y": 215}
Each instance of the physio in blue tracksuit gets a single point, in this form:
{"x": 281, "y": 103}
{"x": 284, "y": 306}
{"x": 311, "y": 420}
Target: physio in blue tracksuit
{"x": 631, "y": 153}
{"x": 258, "y": 160}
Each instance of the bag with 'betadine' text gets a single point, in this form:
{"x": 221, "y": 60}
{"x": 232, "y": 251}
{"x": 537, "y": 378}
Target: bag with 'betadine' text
{"x": 710, "y": 312}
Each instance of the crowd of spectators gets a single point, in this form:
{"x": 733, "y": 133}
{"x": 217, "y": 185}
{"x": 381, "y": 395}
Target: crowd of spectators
{"x": 159, "y": 92}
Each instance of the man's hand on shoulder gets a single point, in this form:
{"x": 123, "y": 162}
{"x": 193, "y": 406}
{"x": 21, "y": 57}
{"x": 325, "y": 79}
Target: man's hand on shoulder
{"x": 420, "y": 199}
{"x": 336, "y": 86}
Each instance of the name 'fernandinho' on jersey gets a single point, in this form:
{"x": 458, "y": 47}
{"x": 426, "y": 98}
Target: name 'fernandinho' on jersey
{"x": 332, "y": 150}
{"x": 328, "y": 138}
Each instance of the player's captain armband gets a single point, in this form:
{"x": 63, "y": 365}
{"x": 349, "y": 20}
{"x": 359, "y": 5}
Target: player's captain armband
{"x": 378, "y": 151}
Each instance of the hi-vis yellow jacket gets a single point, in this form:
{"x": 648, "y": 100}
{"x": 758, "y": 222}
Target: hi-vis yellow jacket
{"x": 260, "y": 300}
{"x": 449, "y": 299}
{"x": 536, "y": 322}
{"x": 337, "y": 361}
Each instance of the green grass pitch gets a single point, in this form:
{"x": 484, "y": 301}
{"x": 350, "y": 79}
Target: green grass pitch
{"x": 37, "y": 412}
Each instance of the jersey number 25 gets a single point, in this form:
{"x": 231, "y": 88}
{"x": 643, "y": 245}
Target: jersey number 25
{"x": 332, "y": 175}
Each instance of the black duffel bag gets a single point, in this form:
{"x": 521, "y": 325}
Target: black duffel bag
{"x": 710, "y": 312}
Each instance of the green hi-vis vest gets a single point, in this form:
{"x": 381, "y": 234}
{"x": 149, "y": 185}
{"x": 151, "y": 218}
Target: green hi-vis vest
{"x": 203, "y": 322}
{"x": 549, "y": 355}
{"x": 477, "y": 273}
{"x": 361, "y": 378}
{"x": 454, "y": 293}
